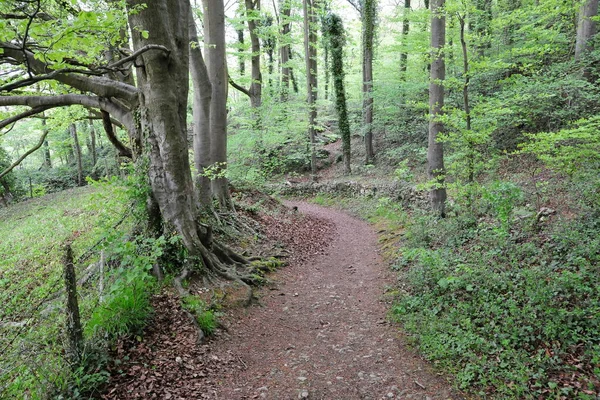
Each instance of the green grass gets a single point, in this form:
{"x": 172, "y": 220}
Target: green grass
{"x": 32, "y": 234}
{"x": 205, "y": 316}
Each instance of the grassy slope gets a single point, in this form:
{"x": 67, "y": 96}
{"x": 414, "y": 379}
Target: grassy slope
{"x": 31, "y": 237}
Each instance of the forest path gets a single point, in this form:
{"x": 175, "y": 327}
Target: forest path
{"x": 321, "y": 332}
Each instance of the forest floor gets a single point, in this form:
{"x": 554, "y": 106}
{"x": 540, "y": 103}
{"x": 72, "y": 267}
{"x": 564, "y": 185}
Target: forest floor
{"x": 319, "y": 332}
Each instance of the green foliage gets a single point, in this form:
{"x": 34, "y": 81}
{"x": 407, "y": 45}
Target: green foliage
{"x": 126, "y": 306}
{"x": 8, "y": 182}
{"x": 504, "y": 318}
{"x": 568, "y": 150}
{"x": 205, "y": 316}
{"x": 280, "y": 147}
{"x": 502, "y": 198}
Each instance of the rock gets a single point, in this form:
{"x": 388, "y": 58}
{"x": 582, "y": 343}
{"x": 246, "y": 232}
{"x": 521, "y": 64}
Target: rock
{"x": 390, "y": 395}
{"x": 303, "y": 394}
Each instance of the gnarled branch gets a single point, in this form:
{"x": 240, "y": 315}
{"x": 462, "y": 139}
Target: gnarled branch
{"x": 123, "y": 150}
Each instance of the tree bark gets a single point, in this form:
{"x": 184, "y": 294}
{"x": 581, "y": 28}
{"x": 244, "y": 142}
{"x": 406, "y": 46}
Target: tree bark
{"x": 74, "y": 330}
{"x": 292, "y": 76}
{"x": 467, "y": 105}
{"x": 163, "y": 82}
{"x": 335, "y": 34}
{"x": 255, "y": 90}
{"x": 123, "y": 151}
{"x": 284, "y": 49}
{"x": 310, "y": 53}
{"x": 77, "y": 151}
{"x": 586, "y": 28}
{"x": 369, "y": 9}
{"x": 216, "y": 65}
{"x": 201, "y": 115}
{"x": 93, "y": 142}
{"x": 269, "y": 45}
{"x": 241, "y": 57}
{"x": 157, "y": 111}
{"x": 435, "y": 150}
{"x": 405, "y": 30}
{"x": 47, "y": 159}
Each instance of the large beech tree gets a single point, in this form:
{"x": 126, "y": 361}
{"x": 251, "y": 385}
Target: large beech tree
{"x": 435, "y": 150}
{"x": 310, "y": 55}
{"x": 154, "y": 110}
{"x": 367, "y": 10}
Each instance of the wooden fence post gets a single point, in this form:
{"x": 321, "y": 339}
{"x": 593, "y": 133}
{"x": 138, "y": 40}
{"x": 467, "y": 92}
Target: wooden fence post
{"x": 74, "y": 331}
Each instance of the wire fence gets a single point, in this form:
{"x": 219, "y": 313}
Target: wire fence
{"x": 33, "y": 360}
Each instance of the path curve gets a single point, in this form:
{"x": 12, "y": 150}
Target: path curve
{"x": 321, "y": 333}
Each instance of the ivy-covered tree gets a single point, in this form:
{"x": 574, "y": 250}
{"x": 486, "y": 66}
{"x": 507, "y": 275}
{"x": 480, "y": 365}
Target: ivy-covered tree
{"x": 336, "y": 37}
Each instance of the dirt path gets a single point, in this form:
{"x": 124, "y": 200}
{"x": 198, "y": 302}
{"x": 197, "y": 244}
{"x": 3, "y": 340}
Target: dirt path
{"x": 321, "y": 332}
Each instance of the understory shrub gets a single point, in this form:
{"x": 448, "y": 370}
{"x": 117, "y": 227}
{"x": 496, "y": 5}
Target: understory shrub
{"x": 510, "y": 317}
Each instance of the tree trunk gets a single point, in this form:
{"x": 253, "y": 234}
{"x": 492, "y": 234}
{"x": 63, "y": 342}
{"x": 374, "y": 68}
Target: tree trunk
{"x": 284, "y": 49}
{"x": 586, "y": 28}
{"x": 336, "y": 36}
{"x": 483, "y": 21}
{"x": 163, "y": 81}
{"x": 241, "y": 57}
{"x": 467, "y": 105}
{"x": 252, "y": 13}
{"x": 93, "y": 143}
{"x": 77, "y": 151}
{"x": 47, "y": 160}
{"x": 201, "y": 116}
{"x": 269, "y": 45}
{"x": 435, "y": 150}
{"x": 326, "y": 68}
{"x": 292, "y": 76}
{"x": 216, "y": 65}
{"x": 310, "y": 49}
{"x": 405, "y": 30}
{"x": 368, "y": 31}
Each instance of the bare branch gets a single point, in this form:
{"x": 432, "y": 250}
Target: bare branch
{"x": 24, "y": 156}
{"x": 15, "y": 118}
{"x": 238, "y": 87}
{"x": 357, "y": 5}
